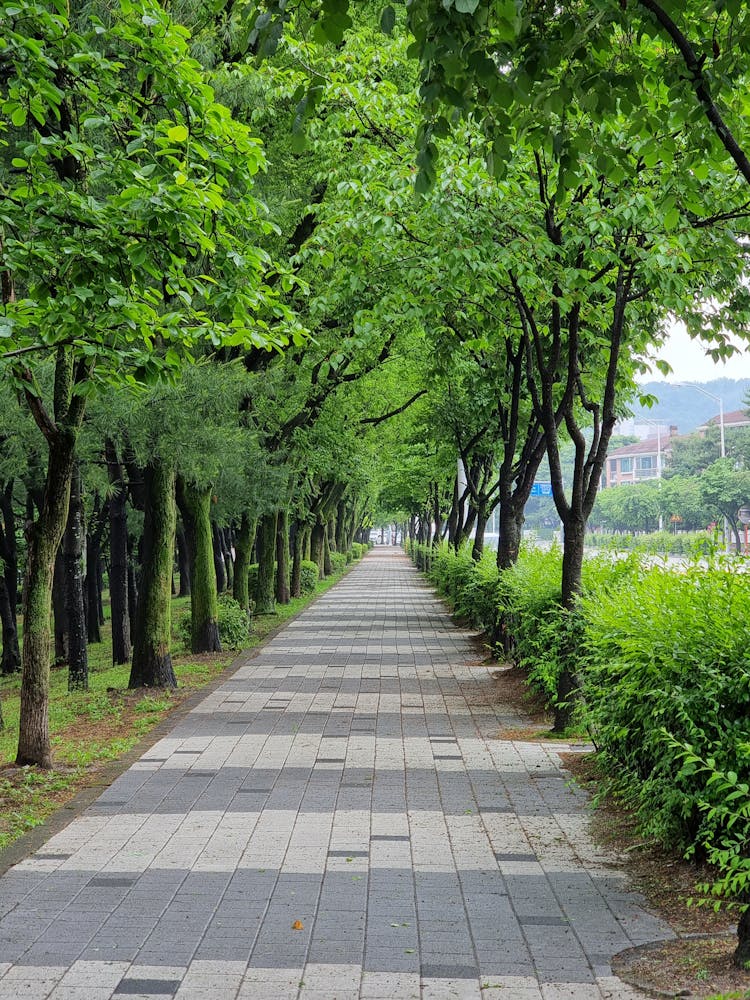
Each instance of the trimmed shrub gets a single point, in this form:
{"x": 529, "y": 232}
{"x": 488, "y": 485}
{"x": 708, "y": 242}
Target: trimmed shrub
{"x": 338, "y": 561}
{"x": 234, "y": 625}
{"x": 309, "y": 576}
{"x": 668, "y": 674}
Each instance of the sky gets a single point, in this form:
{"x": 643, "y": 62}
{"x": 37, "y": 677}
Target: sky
{"x": 690, "y": 363}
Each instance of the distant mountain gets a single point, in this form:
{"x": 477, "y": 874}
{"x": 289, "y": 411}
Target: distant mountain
{"x": 687, "y": 408}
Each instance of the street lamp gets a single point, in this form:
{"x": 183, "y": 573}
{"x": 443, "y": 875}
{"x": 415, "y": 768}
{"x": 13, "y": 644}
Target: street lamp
{"x": 720, "y": 401}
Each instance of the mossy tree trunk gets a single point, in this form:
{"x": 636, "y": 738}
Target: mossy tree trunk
{"x": 59, "y": 621}
{"x": 11, "y": 659}
{"x": 43, "y": 538}
{"x": 195, "y": 506}
{"x": 118, "y": 557}
{"x": 282, "y": 557}
{"x": 317, "y": 545}
{"x": 327, "y": 562}
{"x": 243, "y": 555}
{"x": 298, "y": 550}
{"x": 341, "y": 521}
{"x": 152, "y": 661}
{"x": 72, "y": 558}
{"x": 265, "y": 544}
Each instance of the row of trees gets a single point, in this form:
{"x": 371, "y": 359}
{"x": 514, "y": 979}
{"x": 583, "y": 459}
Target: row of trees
{"x": 353, "y": 340}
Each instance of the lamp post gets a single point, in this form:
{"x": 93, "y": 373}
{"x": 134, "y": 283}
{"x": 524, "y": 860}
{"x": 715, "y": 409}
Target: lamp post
{"x": 720, "y": 401}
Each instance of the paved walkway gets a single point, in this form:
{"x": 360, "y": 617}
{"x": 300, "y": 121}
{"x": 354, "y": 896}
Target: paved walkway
{"x": 346, "y": 781}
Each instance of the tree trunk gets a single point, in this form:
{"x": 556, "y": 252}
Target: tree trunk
{"x": 91, "y": 604}
{"x": 60, "y": 625}
{"x": 152, "y": 662}
{"x": 132, "y": 592}
{"x": 195, "y": 506}
{"x": 482, "y": 516}
{"x": 266, "y": 546}
{"x": 243, "y": 554}
{"x": 183, "y": 562}
{"x": 72, "y": 560}
{"x": 92, "y": 593}
{"x": 567, "y": 685}
{"x": 509, "y": 542}
{"x": 341, "y": 517}
{"x": 282, "y": 557}
{"x": 298, "y": 550}
{"x": 327, "y": 564}
{"x": 44, "y": 537}
{"x": 11, "y": 658}
{"x": 119, "y": 595}
{"x": 741, "y": 956}
{"x": 317, "y": 545}
{"x": 220, "y": 573}
{"x": 226, "y": 538}
{"x": 100, "y": 587}
{"x": 467, "y": 526}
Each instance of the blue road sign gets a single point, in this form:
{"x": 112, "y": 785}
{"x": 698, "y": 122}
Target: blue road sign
{"x": 541, "y": 490}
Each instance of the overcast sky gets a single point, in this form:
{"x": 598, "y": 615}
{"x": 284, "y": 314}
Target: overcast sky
{"x": 690, "y": 363}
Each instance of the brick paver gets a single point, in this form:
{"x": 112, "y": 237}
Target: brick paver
{"x": 347, "y": 780}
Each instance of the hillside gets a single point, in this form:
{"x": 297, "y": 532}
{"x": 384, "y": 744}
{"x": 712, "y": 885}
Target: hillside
{"x": 686, "y": 407}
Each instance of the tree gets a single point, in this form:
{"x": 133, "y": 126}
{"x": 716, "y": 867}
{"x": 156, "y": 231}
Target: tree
{"x": 726, "y": 489}
{"x": 125, "y": 186}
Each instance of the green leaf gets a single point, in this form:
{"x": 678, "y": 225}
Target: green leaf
{"x": 466, "y": 6}
{"x": 178, "y": 133}
{"x": 18, "y": 117}
{"x": 388, "y": 20}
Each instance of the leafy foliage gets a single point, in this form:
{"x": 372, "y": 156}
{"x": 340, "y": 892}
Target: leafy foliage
{"x": 309, "y": 575}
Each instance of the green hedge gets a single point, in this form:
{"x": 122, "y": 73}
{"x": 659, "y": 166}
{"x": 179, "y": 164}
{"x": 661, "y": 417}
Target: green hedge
{"x": 663, "y": 658}
{"x": 686, "y": 543}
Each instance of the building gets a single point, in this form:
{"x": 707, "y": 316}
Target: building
{"x": 633, "y": 463}
{"x": 735, "y": 418}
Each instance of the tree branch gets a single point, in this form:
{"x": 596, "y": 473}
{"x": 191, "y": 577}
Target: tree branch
{"x": 374, "y": 421}
{"x": 702, "y": 92}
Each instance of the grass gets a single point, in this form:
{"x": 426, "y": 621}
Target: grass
{"x": 90, "y": 728}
